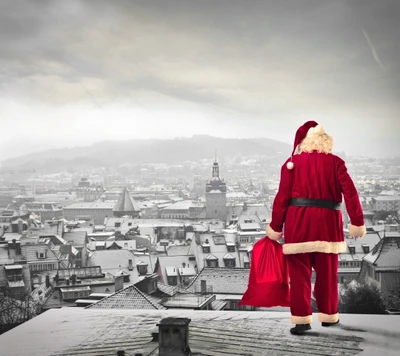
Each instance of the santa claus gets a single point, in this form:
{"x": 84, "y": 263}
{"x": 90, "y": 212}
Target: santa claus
{"x": 307, "y": 213}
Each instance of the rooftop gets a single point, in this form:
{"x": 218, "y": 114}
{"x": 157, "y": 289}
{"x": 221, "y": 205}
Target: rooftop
{"x": 126, "y": 203}
{"x": 90, "y": 205}
{"x": 224, "y": 280}
{"x": 386, "y": 255}
{"x": 128, "y": 298}
{"x": 78, "y": 331}
{"x": 183, "y": 205}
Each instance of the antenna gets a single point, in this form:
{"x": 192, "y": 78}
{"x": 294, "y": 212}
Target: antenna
{"x": 215, "y": 155}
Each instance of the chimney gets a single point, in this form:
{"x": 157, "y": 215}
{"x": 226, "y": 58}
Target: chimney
{"x": 203, "y": 287}
{"x": 174, "y": 337}
{"x": 73, "y": 279}
{"x": 14, "y": 244}
{"x": 130, "y": 265}
{"x": 18, "y": 248}
{"x": 121, "y": 352}
{"x": 20, "y": 226}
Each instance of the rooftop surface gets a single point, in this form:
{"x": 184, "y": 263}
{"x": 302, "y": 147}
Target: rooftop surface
{"x": 76, "y": 331}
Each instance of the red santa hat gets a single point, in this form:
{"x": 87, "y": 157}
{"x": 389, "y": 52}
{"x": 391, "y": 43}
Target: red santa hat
{"x": 300, "y": 136}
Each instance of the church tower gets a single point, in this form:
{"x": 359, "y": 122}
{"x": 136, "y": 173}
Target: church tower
{"x": 216, "y": 196}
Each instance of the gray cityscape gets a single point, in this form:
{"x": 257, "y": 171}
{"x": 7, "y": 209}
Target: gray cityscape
{"x": 142, "y": 149}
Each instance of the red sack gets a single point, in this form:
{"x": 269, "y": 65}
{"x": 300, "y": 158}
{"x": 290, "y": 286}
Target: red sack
{"x": 269, "y": 276}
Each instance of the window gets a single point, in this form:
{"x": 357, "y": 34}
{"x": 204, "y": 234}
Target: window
{"x": 206, "y": 249}
{"x": 230, "y": 263}
{"x": 365, "y": 248}
{"x": 130, "y": 224}
{"x": 247, "y": 265}
{"x": 117, "y": 224}
{"x": 212, "y": 263}
{"x": 352, "y": 249}
{"x": 231, "y": 248}
{"x": 173, "y": 281}
{"x": 142, "y": 269}
{"x": 41, "y": 254}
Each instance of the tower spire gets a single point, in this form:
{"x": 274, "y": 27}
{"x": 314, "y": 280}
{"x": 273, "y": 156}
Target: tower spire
{"x": 215, "y": 155}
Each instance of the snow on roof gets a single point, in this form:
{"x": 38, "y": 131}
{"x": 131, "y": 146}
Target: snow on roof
{"x": 386, "y": 255}
{"x": 171, "y": 271}
{"x": 8, "y": 267}
{"x": 224, "y": 280}
{"x": 127, "y": 298}
{"x": 103, "y": 331}
{"x": 187, "y": 271}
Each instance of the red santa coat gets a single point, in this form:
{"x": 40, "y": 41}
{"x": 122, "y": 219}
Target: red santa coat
{"x": 314, "y": 229}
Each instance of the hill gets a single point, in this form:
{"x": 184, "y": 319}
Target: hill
{"x": 178, "y": 150}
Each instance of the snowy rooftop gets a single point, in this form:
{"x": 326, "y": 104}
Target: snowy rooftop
{"x": 77, "y": 331}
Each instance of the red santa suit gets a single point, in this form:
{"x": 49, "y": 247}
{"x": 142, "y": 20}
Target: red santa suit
{"x": 306, "y": 212}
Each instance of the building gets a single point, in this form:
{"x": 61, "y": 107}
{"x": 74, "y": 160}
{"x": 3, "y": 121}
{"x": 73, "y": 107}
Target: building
{"x": 44, "y": 210}
{"x": 124, "y": 263}
{"x": 382, "y": 266}
{"x": 215, "y": 192}
{"x": 351, "y": 260}
{"x": 72, "y": 284}
{"x": 42, "y": 255}
{"x": 218, "y": 250}
{"x": 126, "y": 205}
{"x": 17, "y": 278}
{"x": 79, "y": 240}
{"x": 390, "y": 203}
{"x": 129, "y": 297}
{"x": 96, "y": 211}
{"x": 176, "y": 270}
{"x": 227, "y": 284}
{"x": 185, "y": 209}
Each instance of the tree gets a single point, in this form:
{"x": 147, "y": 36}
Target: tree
{"x": 362, "y": 299}
{"x": 392, "y": 301}
{"x": 15, "y": 311}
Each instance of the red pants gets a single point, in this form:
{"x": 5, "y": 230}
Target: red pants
{"x": 325, "y": 289}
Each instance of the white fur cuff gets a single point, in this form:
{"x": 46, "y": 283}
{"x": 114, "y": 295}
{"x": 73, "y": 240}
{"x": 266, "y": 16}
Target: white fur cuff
{"x": 273, "y": 235}
{"x": 301, "y": 319}
{"x": 357, "y": 231}
{"x": 327, "y": 318}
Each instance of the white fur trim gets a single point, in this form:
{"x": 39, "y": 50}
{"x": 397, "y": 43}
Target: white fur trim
{"x": 316, "y": 140}
{"x": 326, "y": 318}
{"x": 273, "y": 235}
{"x": 314, "y": 246}
{"x": 317, "y": 130}
{"x": 357, "y": 231}
{"x": 289, "y": 165}
{"x": 301, "y": 319}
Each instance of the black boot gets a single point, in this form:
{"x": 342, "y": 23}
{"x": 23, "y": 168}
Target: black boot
{"x": 325, "y": 325}
{"x": 300, "y": 329}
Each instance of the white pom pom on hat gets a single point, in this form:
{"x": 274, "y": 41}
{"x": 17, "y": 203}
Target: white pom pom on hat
{"x": 290, "y": 165}
{"x": 301, "y": 134}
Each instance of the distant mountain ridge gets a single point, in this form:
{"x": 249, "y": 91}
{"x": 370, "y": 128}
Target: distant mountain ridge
{"x": 172, "y": 151}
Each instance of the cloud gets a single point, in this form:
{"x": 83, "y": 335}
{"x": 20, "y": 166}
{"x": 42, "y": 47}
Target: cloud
{"x": 246, "y": 65}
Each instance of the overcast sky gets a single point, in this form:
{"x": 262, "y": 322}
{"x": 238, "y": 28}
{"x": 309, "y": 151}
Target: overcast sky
{"x": 78, "y": 72}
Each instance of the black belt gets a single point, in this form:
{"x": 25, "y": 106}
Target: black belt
{"x": 318, "y": 203}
